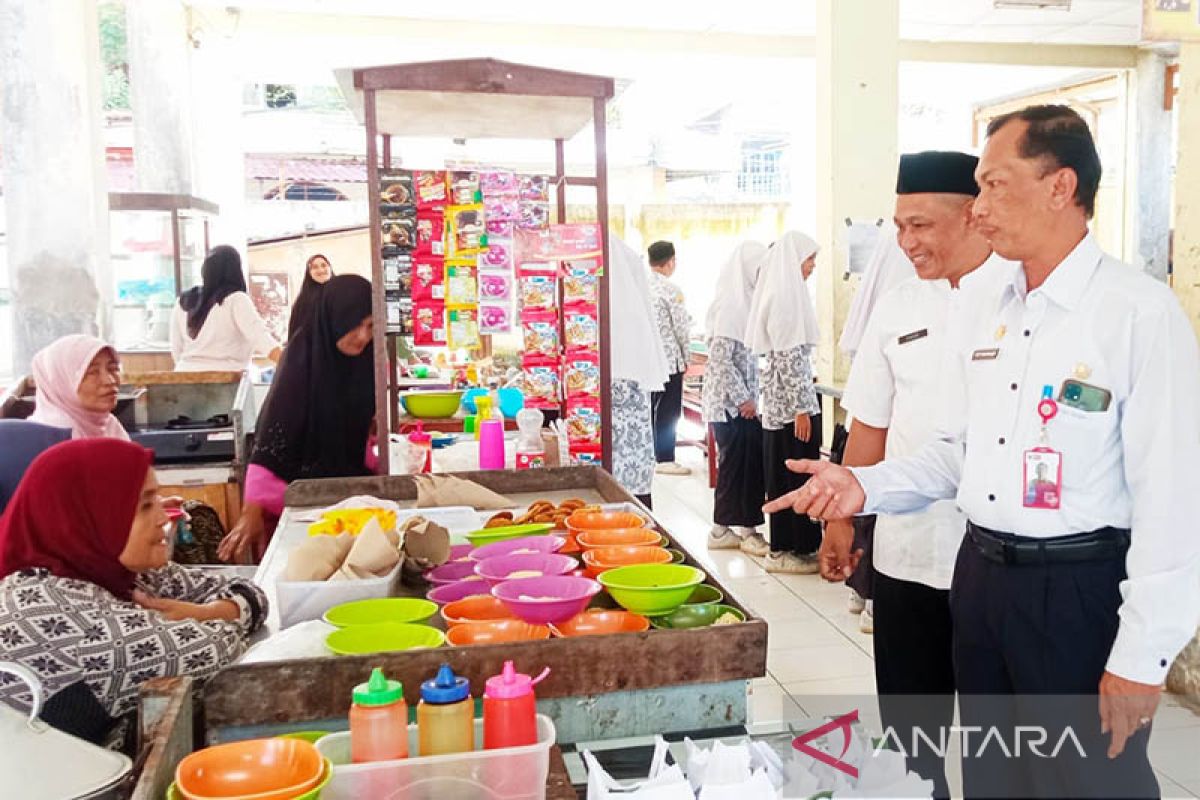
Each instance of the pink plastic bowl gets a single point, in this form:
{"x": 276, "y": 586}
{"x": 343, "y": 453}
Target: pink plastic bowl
{"x": 557, "y": 598}
{"x": 495, "y": 570}
{"x": 449, "y": 592}
{"x": 451, "y": 572}
{"x": 511, "y": 547}
{"x": 460, "y": 552}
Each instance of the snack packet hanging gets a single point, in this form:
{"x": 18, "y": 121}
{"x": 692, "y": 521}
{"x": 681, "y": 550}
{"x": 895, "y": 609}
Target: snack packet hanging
{"x": 581, "y": 374}
{"x": 431, "y": 233}
{"x": 466, "y": 234}
{"x": 581, "y": 329}
{"x": 541, "y": 334}
{"x": 462, "y": 328}
{"x": 429, "y": 279}
{"x": 462, "y": 285}
{"x": 539, "y": 292}
{"x": 429, "y": 324}
{"x": 430, "y": 189}
{"x": 495, "y": 318}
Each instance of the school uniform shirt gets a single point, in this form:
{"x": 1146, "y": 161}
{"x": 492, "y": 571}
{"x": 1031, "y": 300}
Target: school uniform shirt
{"x": 674, "y": 323}
{"x": 232, "y": 333}
{"x": 1131, "y": 465}
{"x": 894, "y": 383}
{"x": 730, "y": 379}
{"x": 788, "y": 388}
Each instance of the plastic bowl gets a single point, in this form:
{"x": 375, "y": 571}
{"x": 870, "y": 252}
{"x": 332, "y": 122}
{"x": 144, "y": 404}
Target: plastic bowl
{"x": 677, "y": 556}
{"x": 449, "y": 592}
{"x": 599, "y": 623}
{"x": 173, "y": 792}
{"x": 312, "y": 737}
{"x": 604, "y": 520}
{"x": 256, "y": 769}
{"x": 651, "y": 589}
{"x": 704, "y": 595}
{"x": 385, "y": 637}
{"x": 512, "y": 400}
{"x": 602, "y": 559}
{"x": 619, "y": 537}
{"x": 700, "y": 616}
{"x": 495, "y": 632}
{"x": 532, "y": 565}
{"x": 490, "y": 535}
{"x": 558, "y": 598}
{"x": 431, "y": 405}
{"x": 460, "y": 552}
{"x": 479, "y": 608}
{"x": 380, "y": 609}
{"x": 452, "y": 572}
{"x": 513, "y": 547}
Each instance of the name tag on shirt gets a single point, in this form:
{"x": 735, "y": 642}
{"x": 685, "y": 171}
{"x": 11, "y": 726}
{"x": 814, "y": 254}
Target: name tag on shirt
{"x": 912, "y": 337}
{"x": 990, "y": 354}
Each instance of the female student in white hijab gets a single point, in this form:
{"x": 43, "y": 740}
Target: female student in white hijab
{"x": 783, "y": 329}
{"x": 729, "y": 400}
{"x": 638, "y": 368}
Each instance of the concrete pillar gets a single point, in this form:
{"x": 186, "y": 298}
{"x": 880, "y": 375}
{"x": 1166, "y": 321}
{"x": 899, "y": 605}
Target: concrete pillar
{"x": 856, "y": 120}
{"x": 160, "y": 81}
{"x": 1151, "y": 177}
{"x": 54, "y": 175}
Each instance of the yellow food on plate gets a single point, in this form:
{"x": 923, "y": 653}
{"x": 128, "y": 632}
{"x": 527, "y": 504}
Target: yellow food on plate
{"x": 525, "y": 573}
{"x": 726, "y": 619}
{"x": 352, "y": 521}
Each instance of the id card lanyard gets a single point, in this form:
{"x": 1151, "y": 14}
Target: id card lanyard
{"x": 1041, "y": 480}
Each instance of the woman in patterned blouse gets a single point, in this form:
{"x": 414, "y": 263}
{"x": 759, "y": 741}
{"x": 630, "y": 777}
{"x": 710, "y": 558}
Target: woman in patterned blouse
{"x": 783, "y": 329}
{"x": 88, "y": 599}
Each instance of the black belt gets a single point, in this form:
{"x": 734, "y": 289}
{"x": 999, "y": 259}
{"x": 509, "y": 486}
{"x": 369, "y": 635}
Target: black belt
{"x": 1007, "y": 548}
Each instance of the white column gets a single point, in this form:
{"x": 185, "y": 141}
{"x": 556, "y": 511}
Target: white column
{"x": 160, "y": 93}
{"x": 54, "y": 175}
{"x": 1151, "y": 189}
{"x": 856, "y": 120}
{"x": 1186, "y": 278}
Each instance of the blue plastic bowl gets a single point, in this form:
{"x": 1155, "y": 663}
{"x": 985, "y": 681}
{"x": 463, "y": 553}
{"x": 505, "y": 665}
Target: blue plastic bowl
{"x": 511, "y": 400}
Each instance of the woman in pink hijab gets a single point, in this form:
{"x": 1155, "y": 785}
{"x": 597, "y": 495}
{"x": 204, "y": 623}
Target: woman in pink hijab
{"x": 77, "y": 380}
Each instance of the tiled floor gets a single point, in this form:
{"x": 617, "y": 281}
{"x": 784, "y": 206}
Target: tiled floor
{"x": 816, "y": 651}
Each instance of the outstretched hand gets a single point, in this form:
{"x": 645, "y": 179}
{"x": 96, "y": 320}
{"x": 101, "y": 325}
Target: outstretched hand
{"x": 831, "y": 493}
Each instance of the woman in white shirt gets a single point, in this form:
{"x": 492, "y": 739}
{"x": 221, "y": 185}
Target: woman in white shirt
{"x": 215, "y": 325}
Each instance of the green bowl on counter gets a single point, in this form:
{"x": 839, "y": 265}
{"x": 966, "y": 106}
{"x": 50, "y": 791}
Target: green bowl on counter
{"x": 431, "y": 405}
{"x": 701, "y": 616}
{"x": 651, "y": 589}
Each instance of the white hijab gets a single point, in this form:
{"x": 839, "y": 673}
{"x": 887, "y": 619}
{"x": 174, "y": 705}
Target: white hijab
{"x": 730, "y": 309}
{"x": 887, "y": 268}
{"x": 782, "y": 316}
{"x": 637, "y": 351}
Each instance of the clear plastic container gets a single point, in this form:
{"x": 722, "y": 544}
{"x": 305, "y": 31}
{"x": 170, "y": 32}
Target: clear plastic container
{"x": 514, "y": 773}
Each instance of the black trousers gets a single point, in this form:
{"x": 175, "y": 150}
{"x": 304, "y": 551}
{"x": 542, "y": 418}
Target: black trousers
{"x": 741, "y": 490}
{"x": 914, "y": 669}
{"x": 665, "y": 408}
{"x": 862, "y": 580}
{"x": 1030, "y": 646}
{"x": 790, "y": 532}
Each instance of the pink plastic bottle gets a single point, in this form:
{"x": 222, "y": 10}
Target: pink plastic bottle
{"x": 423, "y": 440}
{"x": 510, "y": 709}
{"x": 491, "y": 444}
{"x": 378, "y": 720}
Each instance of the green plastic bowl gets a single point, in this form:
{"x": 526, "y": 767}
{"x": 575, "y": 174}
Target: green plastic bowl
{"x": 651, "y": 589}
{"x": 381, "y": 609}
{"x": 677, "y": 556}
{"x": 701, "y": 616}
{"x": 704, "y": 595}
{"x": 431, "y": 405}
{"x": 312, "y": 737}
{"x": 489, "y": 535}
{"x": 384, "y": 637}
{"x": 173, "y": 792}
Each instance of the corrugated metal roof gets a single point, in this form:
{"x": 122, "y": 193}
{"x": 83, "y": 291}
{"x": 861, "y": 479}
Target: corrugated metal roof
{"x": 318, "y": 170}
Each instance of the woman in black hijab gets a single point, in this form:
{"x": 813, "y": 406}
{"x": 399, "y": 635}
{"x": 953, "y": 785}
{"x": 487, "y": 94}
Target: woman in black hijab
{"x": 317, "y": 272}
{"x": 317, "y": 418}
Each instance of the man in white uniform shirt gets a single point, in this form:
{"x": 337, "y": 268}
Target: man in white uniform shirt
{"x": 1092, "y": 587}
{"x": 892, "y": 393}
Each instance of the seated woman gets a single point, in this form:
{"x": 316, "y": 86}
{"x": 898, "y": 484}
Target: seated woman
{"x": 77, "y": 379}
{"x": 88, "y": 599}
{"x": 316, "y": 421}
{"x": 317, "y": 273}
{"x": 215, "y": 326}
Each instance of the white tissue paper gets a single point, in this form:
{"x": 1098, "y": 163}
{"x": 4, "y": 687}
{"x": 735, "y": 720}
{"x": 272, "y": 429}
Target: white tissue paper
{"x": 663, "y": 782}
{"x": 303, "y": 640}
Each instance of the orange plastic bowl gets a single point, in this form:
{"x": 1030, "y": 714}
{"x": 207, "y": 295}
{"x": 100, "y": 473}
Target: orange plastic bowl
{"x": 598, "y": 623}
{"x": 604, "y": 520}
{"x": 495, "y": 632}
{"x": 477, "y": 608}
{"x": 257, "y": 769}
{"x": 619, "y": 537}
{"x": 605, "y": 558}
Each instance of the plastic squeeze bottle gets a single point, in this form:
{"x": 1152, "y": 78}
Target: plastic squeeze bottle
{"x": 446, "y": 715}
{"x": 491, "y": 444}
{"x": 531, "y": 453}
{"x": 424, "y": 441}
{"x": 378, "y": 720}
{"x": 510, "y": 709}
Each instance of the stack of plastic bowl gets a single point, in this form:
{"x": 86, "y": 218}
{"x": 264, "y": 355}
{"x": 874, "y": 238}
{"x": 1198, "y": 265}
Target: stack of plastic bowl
{"x": 500, "y": 631}
{"x": 602, "y": 559}
{"x": 595, "y": 622}
{"x": 478, "y": 608}
{"x": 263, "y": 769}
{"x": 528, "y": 565}
{"x": 548, "y": 599}
{"x": 583, "y": 521}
